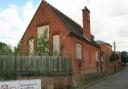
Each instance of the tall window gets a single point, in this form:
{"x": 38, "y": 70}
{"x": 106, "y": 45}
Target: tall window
{"x": 31, "y": 46}
{"x": 97, "y": 56}
{"x": 43, "y": 44}
{"x": 102, "y": 59}
{"x": 56, "y": 44}
{"x": 79, "y": 51}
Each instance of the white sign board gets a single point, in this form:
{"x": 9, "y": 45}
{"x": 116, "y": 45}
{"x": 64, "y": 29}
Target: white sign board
{"x": 21, "y": 84}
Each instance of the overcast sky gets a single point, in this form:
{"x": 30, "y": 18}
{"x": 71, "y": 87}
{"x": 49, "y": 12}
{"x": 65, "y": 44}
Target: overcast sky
{"x": 109, "y": 18}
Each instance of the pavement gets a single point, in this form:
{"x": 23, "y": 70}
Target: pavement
{"x": 116, "y": 81}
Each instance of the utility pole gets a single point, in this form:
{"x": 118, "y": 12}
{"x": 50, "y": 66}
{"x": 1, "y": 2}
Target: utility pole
{"x": 114, "y": 46}
{"x": 114, "y": 56}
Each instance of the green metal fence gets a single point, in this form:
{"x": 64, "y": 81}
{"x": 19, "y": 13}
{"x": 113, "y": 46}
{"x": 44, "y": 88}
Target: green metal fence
{"x": 38, "y": 65}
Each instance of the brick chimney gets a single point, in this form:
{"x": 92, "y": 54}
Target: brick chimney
{"x": 86, "y": 23}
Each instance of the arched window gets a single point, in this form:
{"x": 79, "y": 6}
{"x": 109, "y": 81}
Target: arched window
{"x": 31, "y": 46}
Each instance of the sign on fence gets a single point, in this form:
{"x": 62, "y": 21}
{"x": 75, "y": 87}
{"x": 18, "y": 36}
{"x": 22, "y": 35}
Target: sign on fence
{"x": 21, "y": 84}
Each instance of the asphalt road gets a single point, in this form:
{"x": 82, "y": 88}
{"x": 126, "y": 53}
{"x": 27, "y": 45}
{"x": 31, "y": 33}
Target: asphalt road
{"x": 117, "y": 81}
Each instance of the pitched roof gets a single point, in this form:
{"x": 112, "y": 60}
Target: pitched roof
{"x": 74, "y": 28}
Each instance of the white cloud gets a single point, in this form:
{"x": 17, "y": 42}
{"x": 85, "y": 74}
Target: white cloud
{"x": 14, "y": 21}
{"x": 109, "y": 21}
{"x": 28, "y": 11}
{"x": 72, "y": 8}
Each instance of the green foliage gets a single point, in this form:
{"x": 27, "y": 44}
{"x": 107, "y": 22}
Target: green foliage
{"x": 56, "y": 53}
{"x": 17, "y": 50}
{"x": 124, "y": 57}
{"x": 43, "y": 45}
{"x": 113, "y": 57}
{"x": 5, "y": 49}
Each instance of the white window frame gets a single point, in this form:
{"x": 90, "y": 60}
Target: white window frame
{"x": 56, "y": 44}
{"x": 102, "y": 58}
{"x": 40, "y": 32}
{"x": 97, "y": 56}
{"x": 79, "y": 51}
{"x": 41, "y": 29}
{"x": 31, "y": 46}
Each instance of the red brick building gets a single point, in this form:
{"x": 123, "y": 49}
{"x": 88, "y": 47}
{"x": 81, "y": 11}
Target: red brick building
{"x": 78, "y": 42}
{"x": 106, "y": 51}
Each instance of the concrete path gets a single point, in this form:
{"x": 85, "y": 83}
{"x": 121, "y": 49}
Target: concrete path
{"x": 117, "y": 81}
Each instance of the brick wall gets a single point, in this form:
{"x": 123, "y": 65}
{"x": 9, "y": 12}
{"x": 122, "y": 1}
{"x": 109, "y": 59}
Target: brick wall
{"x": 107, "y": 66}
{"x": 58, "y": 82}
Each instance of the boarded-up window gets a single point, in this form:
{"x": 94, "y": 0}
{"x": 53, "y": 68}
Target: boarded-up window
{"x": 78, "y": 51}
{"x": 31, "y": 46}
{"x": 56, "y": 44}
{"x": 41, "y": 30}
{"x": 102, "y": 59}
{"x": 97, "y": 56}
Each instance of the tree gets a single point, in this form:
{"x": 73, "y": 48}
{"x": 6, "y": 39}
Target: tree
{"x": 5, "y": 49}
{"x": 113, "y": 58}
{"x": 43, "y": 44}
{"x": 124, "y": 57}
{"x": 17, "y": 50}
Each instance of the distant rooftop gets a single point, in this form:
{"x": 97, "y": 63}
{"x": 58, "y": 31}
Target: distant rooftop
{"x": 99, "y": 42}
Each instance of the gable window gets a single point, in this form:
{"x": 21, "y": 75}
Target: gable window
{"x": 79, "y": 51}
{"x": 31, "y": 46}
{"x": 56, "y": 44}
